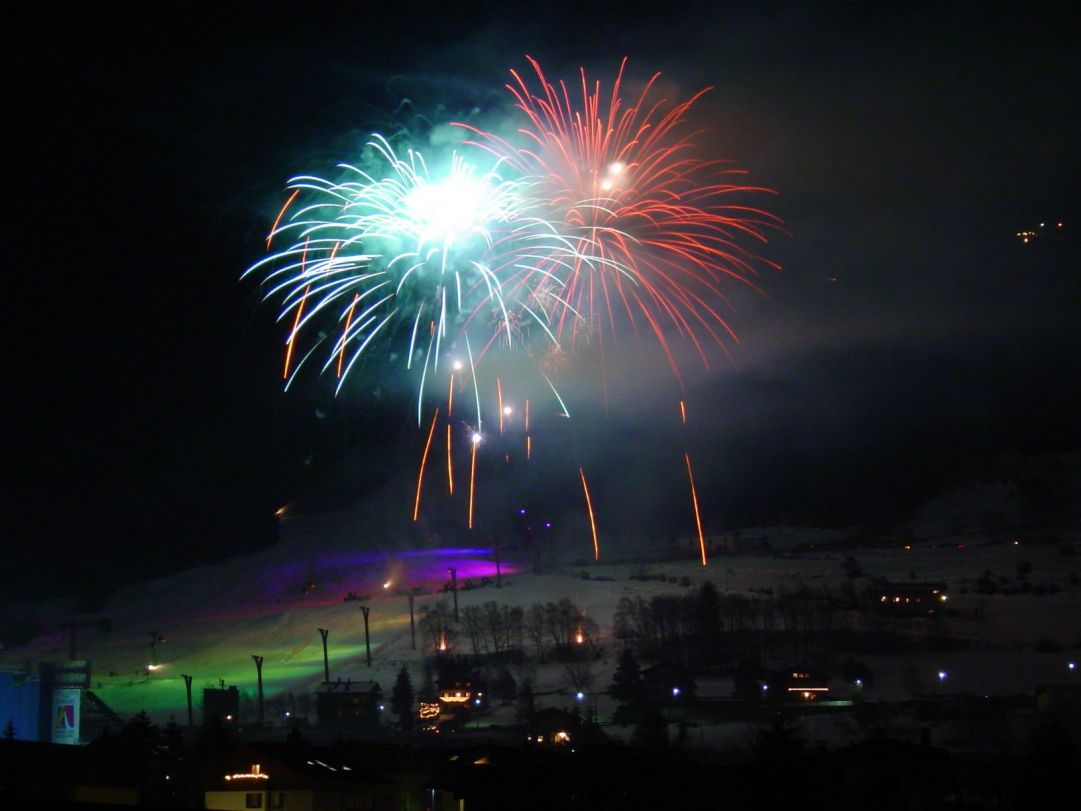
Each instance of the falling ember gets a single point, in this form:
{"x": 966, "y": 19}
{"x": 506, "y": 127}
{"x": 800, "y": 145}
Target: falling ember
{"x": 592, "y": 523}
{"x": 697, "y": 517}
{"x": 528, "y": 447}
{"x": 293, "y": 333}
{"x": 472, "y": 477}
{"x": 450, "y": 467}
{"x": 683, "y": 412}
{"x": 423, "y": 462}
{"x": 450, "y": 396}
{"x": 579, "y": 637}
{"x": 442, "y": 640}
{"x": 281, "y": 214}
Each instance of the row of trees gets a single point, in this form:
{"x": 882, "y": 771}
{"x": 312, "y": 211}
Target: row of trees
{"x": 706, "y": 625}
{"x": 496, "y": 629}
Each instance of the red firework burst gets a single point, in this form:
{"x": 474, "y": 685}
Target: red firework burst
{"x": 653, "y": 231}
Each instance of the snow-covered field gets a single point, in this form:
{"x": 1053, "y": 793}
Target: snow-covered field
{"x": 214, "y": 618}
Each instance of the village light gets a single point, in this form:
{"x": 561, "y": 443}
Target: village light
{"x": 675, "y": 692}
{"x": 580, "y": 695}
{"x": 942, "y": 674}
{"x": 1071, "y": 666}
{"x": 256, "y": 773}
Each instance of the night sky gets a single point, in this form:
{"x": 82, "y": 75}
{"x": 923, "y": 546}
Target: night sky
{"x": 909, "y": 342}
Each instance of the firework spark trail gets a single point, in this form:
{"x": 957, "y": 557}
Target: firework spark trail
{"x": 345, "y": 333}
{"x": 655, "y": 230}
{"x": 697, "y": 517}
{"x": 278, "y": 219}
{"x": 472, "y": 476}
{"x": 423, "y": 462}
{"x": 293, "y": 333}
{"x": 589, "y": 508}
{"x": 450, "y": 466}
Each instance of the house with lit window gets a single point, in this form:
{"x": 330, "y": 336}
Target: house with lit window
{"x": 553, "y": 727}
{"x": 458, "y": 693}
{"x": 299, "y": 782}
{"x": 800, "y": 684}
{"x": 667, "y": 683}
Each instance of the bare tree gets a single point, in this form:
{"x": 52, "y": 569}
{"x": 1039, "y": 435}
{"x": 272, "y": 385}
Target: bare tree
{"x": 580, "y": 674}
{"x": 436, "y": 621}
{"x": 473, "y": 620}
{"x": 535, "y": 624}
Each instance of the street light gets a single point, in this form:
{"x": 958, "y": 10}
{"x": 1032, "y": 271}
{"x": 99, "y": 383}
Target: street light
{"x": 325, "y": 632}
{"x": 187, "y": 686}
{"x": 367, "y": 637}
{"x": 412, "y": 624}
{"x": 259, "y": 675}
{"x": 156, "y": 637}
{"x": 454, "y": 588}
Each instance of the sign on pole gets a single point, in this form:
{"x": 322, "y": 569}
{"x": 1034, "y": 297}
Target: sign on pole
{"x": 65, "y": 715}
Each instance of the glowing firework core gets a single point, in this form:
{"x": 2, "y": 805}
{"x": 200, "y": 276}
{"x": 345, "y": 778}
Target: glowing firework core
{"x": 453, "y": 209}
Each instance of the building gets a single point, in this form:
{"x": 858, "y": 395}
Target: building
{"x": 349, "y": 706}
{"x": 54, "y": 705}
{"x": 221, "y": 705}
{"x": 255, "y": 779}
{"x": 666, "y": 683}
{"x": 459, "y": 693}
{"x": 800, "y": 684}
{"x": 553, "y": 727}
